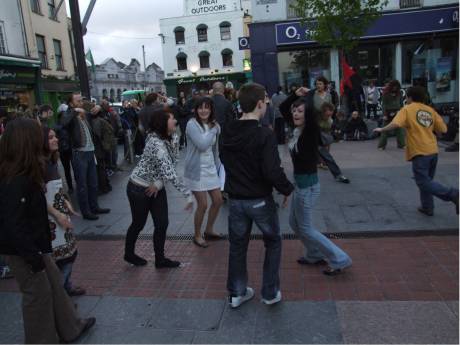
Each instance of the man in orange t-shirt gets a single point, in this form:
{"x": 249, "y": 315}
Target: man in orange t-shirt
{"x": 420, "y": 121}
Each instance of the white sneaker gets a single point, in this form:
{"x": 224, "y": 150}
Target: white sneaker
{"x": 235, "y": 302}
{"x": 274, "y": 300}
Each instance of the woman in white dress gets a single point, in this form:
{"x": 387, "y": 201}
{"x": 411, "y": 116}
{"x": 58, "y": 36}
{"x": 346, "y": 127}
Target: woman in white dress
{"x": 201, "y": 168}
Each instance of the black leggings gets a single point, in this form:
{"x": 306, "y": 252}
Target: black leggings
{"x": 66, "y": 159}
{"x": 141, "y": 205}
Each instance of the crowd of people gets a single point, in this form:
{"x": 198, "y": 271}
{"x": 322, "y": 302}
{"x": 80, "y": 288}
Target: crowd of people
{"x": 231, "y": 146}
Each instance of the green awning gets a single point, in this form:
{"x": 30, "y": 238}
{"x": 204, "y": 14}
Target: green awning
{"x": 19, "y": 62}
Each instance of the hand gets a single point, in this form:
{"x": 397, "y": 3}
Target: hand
{"x": 302, "y": 91}
{"x": 71, "y": 209}
{"x": 152, "y": 190}
{"x": 64, "y": 221}
{"x": 285, "y": 202}
{"x": 378, "y": 130}
{"x": 189, "y": 206}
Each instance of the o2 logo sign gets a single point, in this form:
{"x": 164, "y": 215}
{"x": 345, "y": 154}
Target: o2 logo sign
{"x": 294, "y": 33}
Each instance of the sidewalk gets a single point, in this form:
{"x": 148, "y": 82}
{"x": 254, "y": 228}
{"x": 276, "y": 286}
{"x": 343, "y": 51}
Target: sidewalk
{"x": 399, "y": 290}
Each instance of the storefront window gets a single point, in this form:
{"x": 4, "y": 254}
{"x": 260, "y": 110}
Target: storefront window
{"x": 432, "y": 63}
{"x": 302, "y": 67}
{"x": 373, "y": 62}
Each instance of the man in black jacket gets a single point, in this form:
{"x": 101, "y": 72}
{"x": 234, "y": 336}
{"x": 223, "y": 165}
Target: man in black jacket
{"x": 83, "y": 159}
{"x": 223, "y": 109}
{"x": 253, "y": 167}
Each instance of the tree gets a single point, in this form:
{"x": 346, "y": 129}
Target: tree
{"x": 338, "y": 23}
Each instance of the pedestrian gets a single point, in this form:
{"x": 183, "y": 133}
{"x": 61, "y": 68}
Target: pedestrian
{"x": 268, "y": 120}
{"x": 391, "y": 103}
{"x": 114, "y": 119}
{"x": 320, "y": 95}
{"x": 183, "y": 117}
{"x": 201, "y": 168}
{"x": 372, "y": 100}
{"x": 223, "y": 109}
{"x": 420, "y": 121}
{"x": 64, "y": 242}
{"x": 49, "y": 314}
{"x": 250, "y": 155}
{"x": 45, "y": 113}
{"x": 83, "y": 160}
{"x": 278, "y": 98}
{"x": 146, "y": 192}
{"x": 356, "y": 128}
{"x": 65, "y": 147}
{"x": 304, "y": 153}
{"x": 151, "y": 104}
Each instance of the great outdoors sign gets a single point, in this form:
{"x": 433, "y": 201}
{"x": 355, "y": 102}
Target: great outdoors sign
{"x": 199, "y": 7}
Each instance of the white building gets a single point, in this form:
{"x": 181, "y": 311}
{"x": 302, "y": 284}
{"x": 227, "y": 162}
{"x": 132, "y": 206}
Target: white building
{"x": 202, "y": 46}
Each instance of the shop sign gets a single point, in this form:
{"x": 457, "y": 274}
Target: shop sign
{"x": 184, "y": 81}
{"x": 294, "y": 33}
{"x": 243, "y": 43}
{"x": 12, "y": 74}
{"x": 199, "y": 7}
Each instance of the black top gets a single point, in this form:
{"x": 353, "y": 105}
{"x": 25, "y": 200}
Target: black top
{"x": 305, "y": 157}
{"x": 223, "y": 110}
{"x": 24, "y": 226}
{"x": 252, "y": 164}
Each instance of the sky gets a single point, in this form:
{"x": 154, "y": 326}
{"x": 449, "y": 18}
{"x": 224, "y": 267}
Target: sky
{"x": 119, "y": 28}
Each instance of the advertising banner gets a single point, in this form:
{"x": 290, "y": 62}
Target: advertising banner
{"x": 443, "y": 74}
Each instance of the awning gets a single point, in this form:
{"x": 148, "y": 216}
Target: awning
{"x": 19, "y": 61}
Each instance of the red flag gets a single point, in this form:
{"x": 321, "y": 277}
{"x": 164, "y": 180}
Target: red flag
{"x": 347, "y": 72}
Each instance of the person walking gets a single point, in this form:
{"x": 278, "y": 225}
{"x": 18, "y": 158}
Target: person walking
{"x": 391, "y": 103}
{"x": 146, "y": 192}
{"x": 278, "y": 98}
{"x": 201, "y": 168}
{"x": 83, "y": 161}
{"x": 250, "y": 155}
{"x": 304, "y": 153}
{"x": 49, "y": 314}
{"x": 420, "y": 121}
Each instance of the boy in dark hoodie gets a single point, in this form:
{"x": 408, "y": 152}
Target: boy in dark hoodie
{"x": 356, "y": 128}
{"x": 253, "y": 167}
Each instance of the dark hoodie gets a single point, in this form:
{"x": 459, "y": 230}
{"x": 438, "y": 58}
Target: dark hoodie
{"x": 252, "y": 164}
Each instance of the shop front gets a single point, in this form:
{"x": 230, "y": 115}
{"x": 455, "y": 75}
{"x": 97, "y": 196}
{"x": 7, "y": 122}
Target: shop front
{"x": 19, "y": 83}
{"x": 413, "y": 46}
{"x": 188, "y": 85}
{"x": 56, "y": 90}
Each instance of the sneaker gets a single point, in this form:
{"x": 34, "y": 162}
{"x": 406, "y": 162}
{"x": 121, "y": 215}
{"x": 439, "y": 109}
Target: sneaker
{"x": 342, "y": 179}
{"x": 166, "y": 263}
{"x": 135, "y": 260}
{"x": 425, "y": 211}
{"x": 274, "y": 300}
{"x": 236, "y": 301}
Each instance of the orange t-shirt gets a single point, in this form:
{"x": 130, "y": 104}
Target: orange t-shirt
{"x": 420, "y": 121}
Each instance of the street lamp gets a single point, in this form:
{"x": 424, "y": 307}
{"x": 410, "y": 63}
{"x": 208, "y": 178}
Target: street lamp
{"x": 194, "y": 69}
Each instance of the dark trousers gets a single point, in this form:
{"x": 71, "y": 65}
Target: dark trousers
{"x": 66, "y": 159}
{"x": 183, "y": 126}
{"x": 102, "y": 177}
{"x": 371, "y": 108}
{"x": 85, "y": 172}
{"x": 242, "y": 214}
{"x": 424, "y": 169}
{"x": 279, "y": 130}
{"x": 329, "y": 161}
{"x": 141, "y": 205}
{"x": 139, "y": 142}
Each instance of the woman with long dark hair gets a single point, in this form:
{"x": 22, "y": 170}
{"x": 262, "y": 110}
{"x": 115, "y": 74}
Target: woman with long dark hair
{"x": 146, "y": 192}
{"x": 25, "y": 238}
{"x": 202, "y": 164}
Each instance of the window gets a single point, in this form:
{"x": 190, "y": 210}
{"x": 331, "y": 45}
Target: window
{"x": 227, "y": 58}
{"x": 51, "y": 9}
{"x": 181, "y": 61}
{"x": 202, "y": 31}
{"x": 410, "y": 3}
{"x": 204, "y": 59}
{"x": 104, "y": 93}
{"x": 3, "y": 47}
{"x": 112, "y": 95}
{"x": 179, "y": 32}
{"x": 58, "y": 55}
{"x": 119, "y": 95}
{"x": 225, "y": 31}
{"x": 35, "y": 6}
{"x": 41, "y": 47}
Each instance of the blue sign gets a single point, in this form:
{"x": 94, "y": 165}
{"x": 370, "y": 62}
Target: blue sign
{"x": 243, "y": 42}
{"x": 389, "y": 24}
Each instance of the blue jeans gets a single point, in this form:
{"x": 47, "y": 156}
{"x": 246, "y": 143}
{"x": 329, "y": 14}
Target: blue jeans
{"x": 242, "y": 213}
{"x": 424, "y": 169}
{"x": 317, "y": 246}
{"x": 85, "y": 173}
{"x": 66, "y": 271}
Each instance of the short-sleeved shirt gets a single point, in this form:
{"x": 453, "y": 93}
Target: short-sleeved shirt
{"x": 420, "y": 121}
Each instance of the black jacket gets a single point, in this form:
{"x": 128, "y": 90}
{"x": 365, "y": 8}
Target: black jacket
{"x": 24, "y": 226}
{"x": 70, "y": 122}
{"x": 252, "y": 164}
{"x": 356, "y": 124}
{"x": 223, "y": 110}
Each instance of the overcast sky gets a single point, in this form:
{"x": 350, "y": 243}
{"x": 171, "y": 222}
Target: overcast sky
{"x": 112, "y": 20}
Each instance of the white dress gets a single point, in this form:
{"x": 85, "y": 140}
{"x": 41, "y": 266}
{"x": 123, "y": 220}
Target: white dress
{"x": 209, "y": 178}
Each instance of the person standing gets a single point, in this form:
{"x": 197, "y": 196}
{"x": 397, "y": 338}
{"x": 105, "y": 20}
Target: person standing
{"x": 223, "y": 109}
{"x": 146, "y": 192}
{"x": 420, "y": 121}
{"x": 278, "y": 98}
{"x": 65, "y": 147}
{"x": 49, "y": 314}
{"x": 83, "y": 159}
{"x": 304, "y": 153}
{"x": 391, "y": 103}
{"x": 250, "y": 155}
{"x": 201, "y": 168}
{"x": 372, "y": 94}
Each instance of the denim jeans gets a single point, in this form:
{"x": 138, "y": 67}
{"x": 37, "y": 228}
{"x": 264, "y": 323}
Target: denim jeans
{"x": 66, "y": 270}
{"x": 329, "y": 161}
{"x": 317, "y": 246}
{"x": 242, "y": 214}
{"x": 424, "y": 169}
{"x": 85, "y": 173}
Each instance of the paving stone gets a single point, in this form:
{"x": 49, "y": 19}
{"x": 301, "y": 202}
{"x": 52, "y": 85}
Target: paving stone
{"x": 11, "y": 325}
{"x": 453, "y": 306}
{"x": 298, "y": 323}
{"x": 356, "y": 214}
{"x": 86, "y": 305}
{"x": 397, "y": 323}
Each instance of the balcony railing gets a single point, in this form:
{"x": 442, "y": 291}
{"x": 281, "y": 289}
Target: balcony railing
{"x": 410, "y": 3}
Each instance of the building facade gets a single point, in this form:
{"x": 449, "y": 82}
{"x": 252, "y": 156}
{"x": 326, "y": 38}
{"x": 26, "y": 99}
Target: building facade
{"x": 110, "y": 78}
{"x": 202, "y": 46}
{"x": 49, "y": 38}
{"x": 19, "y": 72}
{"x": 414, "y": 41}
